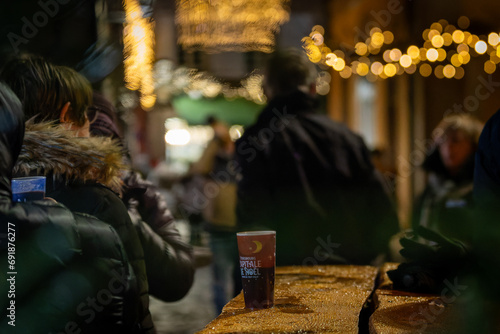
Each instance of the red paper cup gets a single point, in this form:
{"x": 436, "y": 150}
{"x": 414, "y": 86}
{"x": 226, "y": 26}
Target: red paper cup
{"x": 257, "y": 251}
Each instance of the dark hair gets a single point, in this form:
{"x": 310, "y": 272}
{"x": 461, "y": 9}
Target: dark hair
{"x": 288, "y": 69}
{"x": 44, "y": 89}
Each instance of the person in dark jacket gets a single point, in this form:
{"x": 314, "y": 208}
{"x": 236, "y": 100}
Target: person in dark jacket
{"x": 486, "y": 231}
{"x": 82, "y": 173}
{"x": 66, "y": 271}
{"x": 169, "y": 260}
{"x": 446, "y": 204}
{"x": 309, "y": 178}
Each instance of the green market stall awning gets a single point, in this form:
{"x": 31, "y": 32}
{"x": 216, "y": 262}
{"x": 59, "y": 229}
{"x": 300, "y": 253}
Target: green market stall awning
{"x": 236, "y": 111}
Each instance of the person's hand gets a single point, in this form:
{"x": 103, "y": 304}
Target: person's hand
{"x": 443, "y": 249}
{"x": 428, "y": 266}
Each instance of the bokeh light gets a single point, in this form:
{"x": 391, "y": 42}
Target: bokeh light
{"x": 390, "y": 70}
{"x": 425, "y": 70}
{"x": 481, "y": 47}
{"x": 405, "y": 61}
{"x": 437, "y": 41}
{"x": 449, "y": 71}
{"x": 432, "y": 54}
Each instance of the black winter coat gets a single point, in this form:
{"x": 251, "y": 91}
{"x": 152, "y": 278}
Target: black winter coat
{"x": 80, "y": 174}
{"x": 311, "y": 179}
{"x": 61, "y": 271}
{"x": 169, "y": 260}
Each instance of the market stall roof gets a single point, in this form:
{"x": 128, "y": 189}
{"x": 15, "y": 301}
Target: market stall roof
{"x": 196, "y": 111}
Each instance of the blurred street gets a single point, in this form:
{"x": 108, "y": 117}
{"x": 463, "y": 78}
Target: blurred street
{"x": 196, "y": 309}
{"x": 190, "y": 314}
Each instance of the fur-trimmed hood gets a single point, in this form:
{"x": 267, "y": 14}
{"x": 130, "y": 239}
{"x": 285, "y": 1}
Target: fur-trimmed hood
{"x": 50, "y": 149}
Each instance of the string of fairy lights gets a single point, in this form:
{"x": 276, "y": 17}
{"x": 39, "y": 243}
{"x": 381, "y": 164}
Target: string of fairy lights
{"x": 445, "y": 50}
{"x": 138, "y": 40}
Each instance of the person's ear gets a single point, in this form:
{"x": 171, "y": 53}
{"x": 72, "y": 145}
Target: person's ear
{"x": 63, "y": 116}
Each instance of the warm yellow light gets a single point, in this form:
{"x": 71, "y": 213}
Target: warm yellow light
{"x": 449, "y": 71}
{"x": 313, "y": 53}
{"x": 465, "y": 57}
{"x": 463, "y": 22}
{"x": 319, "y": 29}
{"x": 425, "y": 34}
{"x": 460, "y": 72}
{"x": 437, "y": 26}
{"x": 373, "y": 50}
{"x": 441, "y": 54}
{"x": 433, "y": 33}
{"x": 229, "y": 25}
{"x": 330, "y": 58}
{"x": 462, "y": 48}
{"x": 438, "y": 72}
{"x": 325, "y": 50}
{"x": 377, "y": 68}
{"x": 481, "y": 47}
{"x": 423, "y": 54}
{"x": 377, "y": 39}
{"x": 425, "y": 70}
{"x": 395, "y": 54}
{"x": 437, "y": 41}
{"x": 138, "y": 40}
{"x": 432, "y": 54}
{"x": 458, "y": 36}
{"x": 362, "y": 69}
{"x": 450, "y": 28}
{"x": 338, "y": 64}
{"x": 339, "y": 53}
{"x": 388, "y": 37}
{"x": 346, "y": 73}
{"x": 387, "y": 56}
{"x": 498, "y": 51}
{"x": 413, "y": 51}
{"x": 447, "y": 39}
{"x": 472, "y": 40}
{"x": 405, "y": 61}
{"x": 375, "y": 30}
{"x": 361, "y": 48}
{"x": 490, "y": 67}
{"x": 412, "y": 69}
{"x": 322, "y": 88}
{"x": 493, "y": 39}
{"x": 318, "y": 39}
{"x": 493, "y": 57}
{"x": 456, "y": 60}
{"x": 390, "y": 70}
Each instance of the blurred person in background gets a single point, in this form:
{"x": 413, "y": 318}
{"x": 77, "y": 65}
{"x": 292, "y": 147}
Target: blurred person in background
{"x": 219, "y": 214}
{"x": 308, "y": 177}
{"x": 70, "y": 271}
{"x": 446, "y": 204}
{"x": 434, "y": 261}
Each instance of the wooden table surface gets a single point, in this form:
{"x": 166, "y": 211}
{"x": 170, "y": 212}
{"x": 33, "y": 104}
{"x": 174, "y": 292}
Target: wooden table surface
{"x": 406, "y": 312}
{"x": 329, "y": 299}
{"x": 317, "y": 299}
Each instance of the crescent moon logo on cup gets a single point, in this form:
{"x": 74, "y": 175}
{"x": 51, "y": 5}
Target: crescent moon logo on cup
{"x": 258, "y": 245}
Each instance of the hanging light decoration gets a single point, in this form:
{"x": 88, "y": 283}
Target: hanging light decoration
{"x": 444, "y": 51}
{"x": 229, "y": 25}
{"x": 138, "y": 40}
